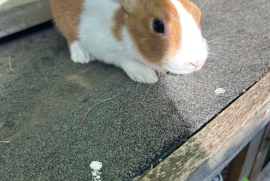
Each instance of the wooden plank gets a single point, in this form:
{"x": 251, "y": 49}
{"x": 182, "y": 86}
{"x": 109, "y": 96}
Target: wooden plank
{"x": 6, "y": 5}
{"x": 260, "y": 157}
{"x": 236, "y": 165}
{"x": 19, "y": 16}
{"x": 251, "y": 155}
{"x": 265, "y": 174}
{"x": 241, "y": 166}
{"x": 210, "y": 150}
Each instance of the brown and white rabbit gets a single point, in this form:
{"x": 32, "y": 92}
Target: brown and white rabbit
{"x": 139, "y": 36}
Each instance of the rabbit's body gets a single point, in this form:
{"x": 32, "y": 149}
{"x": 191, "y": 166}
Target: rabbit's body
{"x": 113, "y": 45}
{"x": 128, "y": 34}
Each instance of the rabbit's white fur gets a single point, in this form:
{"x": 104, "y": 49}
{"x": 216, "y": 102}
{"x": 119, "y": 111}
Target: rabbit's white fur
{"x": 193, "y": 50}
{"x": 95, "y": 35}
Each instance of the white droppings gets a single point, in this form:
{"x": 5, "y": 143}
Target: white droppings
{"x": 96, "y": 174}
{"x": 220, "y": 91}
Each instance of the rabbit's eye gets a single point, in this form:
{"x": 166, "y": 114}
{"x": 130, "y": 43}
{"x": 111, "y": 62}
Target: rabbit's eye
{"x": 158, "y": 26}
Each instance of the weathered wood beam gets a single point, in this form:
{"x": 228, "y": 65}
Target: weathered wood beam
{"x": 15, "y": 16}
{"x": 261, "y": 154}
{"x": 265, "y": 174}
{"x": 211, "y": 149}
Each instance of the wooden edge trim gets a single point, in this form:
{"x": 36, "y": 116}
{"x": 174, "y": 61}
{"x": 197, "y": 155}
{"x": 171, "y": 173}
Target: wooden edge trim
{"x": 24, "y": 17}
{"x": 208, "y": 152}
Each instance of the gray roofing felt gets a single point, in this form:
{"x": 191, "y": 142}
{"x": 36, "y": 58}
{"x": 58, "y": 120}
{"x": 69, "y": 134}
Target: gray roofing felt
{"x": 44, "y": 96}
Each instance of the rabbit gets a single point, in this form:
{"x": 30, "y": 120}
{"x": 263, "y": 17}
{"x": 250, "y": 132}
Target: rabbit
{"x": 139, "y": 36}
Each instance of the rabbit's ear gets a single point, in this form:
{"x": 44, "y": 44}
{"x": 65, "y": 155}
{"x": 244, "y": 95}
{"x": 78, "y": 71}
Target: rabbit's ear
{"x": 128, "y": 5}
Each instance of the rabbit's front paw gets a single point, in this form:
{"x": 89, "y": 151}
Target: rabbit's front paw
{"x": 140, "y": 72}
{"x": 78, "y": 54}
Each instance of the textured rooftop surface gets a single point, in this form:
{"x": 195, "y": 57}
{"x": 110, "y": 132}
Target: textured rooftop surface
{"x": 44, "y": 96}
